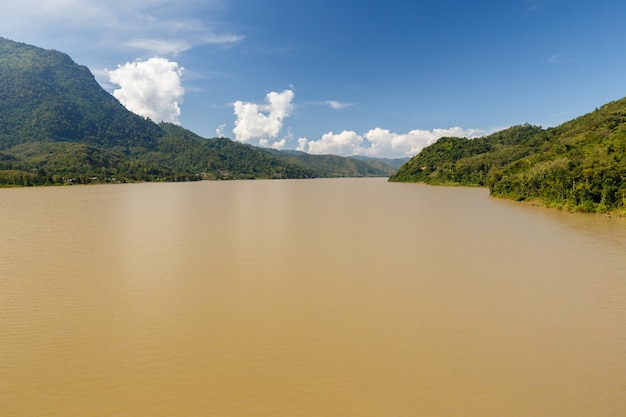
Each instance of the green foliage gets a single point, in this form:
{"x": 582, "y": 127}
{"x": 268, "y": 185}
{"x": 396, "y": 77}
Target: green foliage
{"x": 464, "y": 161}
{"x": 45, "y": 96}
{"x": 579, "y": 165}
{"x": 58, "y": 126}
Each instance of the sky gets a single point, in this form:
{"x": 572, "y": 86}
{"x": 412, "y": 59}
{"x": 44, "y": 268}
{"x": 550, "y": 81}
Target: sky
{"x": 346, "y": 77}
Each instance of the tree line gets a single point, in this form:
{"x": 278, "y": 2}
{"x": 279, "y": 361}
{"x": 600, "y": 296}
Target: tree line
{"x": 579, "y": 165}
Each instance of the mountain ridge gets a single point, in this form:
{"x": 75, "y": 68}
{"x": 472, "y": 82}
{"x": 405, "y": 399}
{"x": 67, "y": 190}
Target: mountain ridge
{"x": 58, "y": 125}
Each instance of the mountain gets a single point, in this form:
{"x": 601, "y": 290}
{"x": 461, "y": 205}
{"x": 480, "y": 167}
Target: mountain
{"x": 342, "y": 166}
{"x": 45, "y": 96}
{"x": 57, "y": 125}
{"x": 579, "y": 165}
{"x": 396, "y": 163}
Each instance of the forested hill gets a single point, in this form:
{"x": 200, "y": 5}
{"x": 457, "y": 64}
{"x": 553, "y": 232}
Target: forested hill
{"x": 57, "y": 125}
{"x": 579, "y": 165}
{"x": 45, "y": 96}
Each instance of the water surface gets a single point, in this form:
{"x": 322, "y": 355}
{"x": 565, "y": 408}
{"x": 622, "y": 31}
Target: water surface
{"x": 343, "y": 297}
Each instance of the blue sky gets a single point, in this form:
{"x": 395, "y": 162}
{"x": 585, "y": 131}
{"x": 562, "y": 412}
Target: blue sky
{"x": 371, "y": 77}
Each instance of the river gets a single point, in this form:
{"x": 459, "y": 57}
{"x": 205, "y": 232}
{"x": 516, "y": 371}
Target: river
{"x": 330, "y": 297}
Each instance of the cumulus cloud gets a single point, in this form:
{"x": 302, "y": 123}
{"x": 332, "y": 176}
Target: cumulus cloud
{"x": 344, "y": 143}
{"x": 381, "y": 142}
{"x": 150, "y": 88}
{"x": 258, "y": 124}
{"x": 277, "y": 144}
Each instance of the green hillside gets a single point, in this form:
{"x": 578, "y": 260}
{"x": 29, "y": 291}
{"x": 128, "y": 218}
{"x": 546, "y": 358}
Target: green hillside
{"x": 45, "y": 96}
{"x": 579, "y": 165}
{"x": 57, "y": 125}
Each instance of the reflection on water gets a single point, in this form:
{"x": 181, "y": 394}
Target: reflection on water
{"x": 306, "y": 298}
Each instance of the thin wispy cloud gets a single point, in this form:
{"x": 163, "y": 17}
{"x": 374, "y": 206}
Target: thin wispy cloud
{"x": 159, "y": 46}
{"x": 150, "y": 27}
{"x": 533, "y": 5}
{"x": 338, "y": 105}
{"x": 333, "y": 104}
{"x": 559, "y": 59}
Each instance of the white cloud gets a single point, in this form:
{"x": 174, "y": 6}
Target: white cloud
{"x": 338, "y": 105}
{"x": 219, "y": 132}
{"x": 381, "y": 142}
{"x": 344, "y": 143}
{"x": 303, "y": 144}
{"x": 257, "y": 123}
{"x": 150, "y": 88}
{"x": 277, "y": 144}
{"x": 334, "y": 104}
{"x": 154, "y": 27}
{"x": 159, "y": 46}
{"x": 384, "y": 142}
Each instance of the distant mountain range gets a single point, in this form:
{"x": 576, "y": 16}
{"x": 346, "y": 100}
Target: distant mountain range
{"x": 57, "y": 125}
{"x": 394, "y": 162}
{"x": 579, "y": 165}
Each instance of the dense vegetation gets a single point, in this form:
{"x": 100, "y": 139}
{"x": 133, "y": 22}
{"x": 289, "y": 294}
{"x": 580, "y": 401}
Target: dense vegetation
{"x": 579, "y": 165}
{"x": 58, "y": 126}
